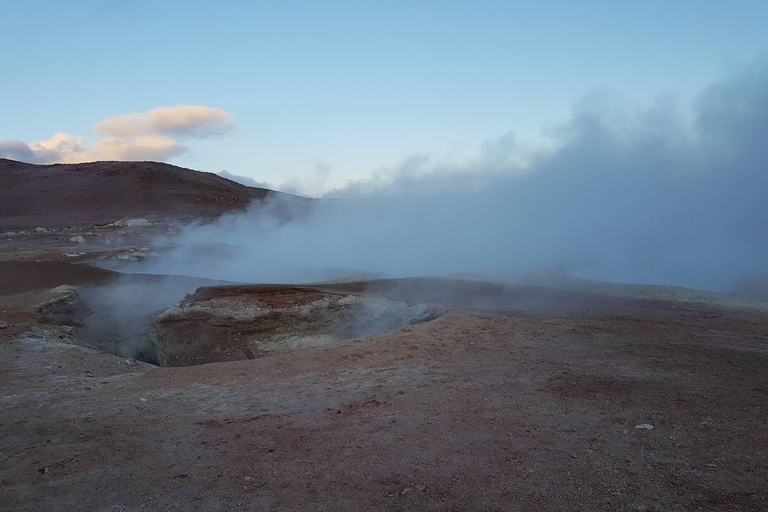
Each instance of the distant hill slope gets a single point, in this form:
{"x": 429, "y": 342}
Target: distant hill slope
{"x": 77, "y": 194}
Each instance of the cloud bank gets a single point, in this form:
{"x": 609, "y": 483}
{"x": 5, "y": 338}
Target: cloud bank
{"x": 151, "y": 135}
{"x": 657, "y": 195}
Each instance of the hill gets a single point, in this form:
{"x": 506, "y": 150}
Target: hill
{"x": 89, "y": 193}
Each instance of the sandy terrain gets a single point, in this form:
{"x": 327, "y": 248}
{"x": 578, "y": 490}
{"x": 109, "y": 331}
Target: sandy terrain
{"x": 535, "y": 395}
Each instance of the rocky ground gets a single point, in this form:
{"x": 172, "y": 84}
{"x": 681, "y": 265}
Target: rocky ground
{"x": 523, "y": 396}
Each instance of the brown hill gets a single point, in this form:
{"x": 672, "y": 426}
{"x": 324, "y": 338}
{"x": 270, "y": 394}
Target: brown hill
{"x": 91, "y": 193}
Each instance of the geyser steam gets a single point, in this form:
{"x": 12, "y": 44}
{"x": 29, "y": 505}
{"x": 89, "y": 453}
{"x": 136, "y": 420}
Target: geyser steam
{"x": 658, "y": 196}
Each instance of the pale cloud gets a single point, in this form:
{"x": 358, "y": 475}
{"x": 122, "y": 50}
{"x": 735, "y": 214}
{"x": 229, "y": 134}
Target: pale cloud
{"x": 179, "y": 121}
{"x": 137, "y": 148}
{"x": 62, "y": 147}
{"x": 312, "y": 184}
{"x": 69, "y": 149}
{"x": 146, "y": 136}
{"x": 244, "y": 180}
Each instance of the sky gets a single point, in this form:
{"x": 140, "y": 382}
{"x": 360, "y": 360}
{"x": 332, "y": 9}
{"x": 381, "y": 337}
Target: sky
{"x": 310, "y": 96}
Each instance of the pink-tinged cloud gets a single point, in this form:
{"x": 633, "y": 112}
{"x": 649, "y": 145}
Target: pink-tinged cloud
{"x": 66, "y": 148}
{"x": 137, "y": 148}
{"x": 62, "y": 147}
{"x": 139, "y": 136}
{"x": 178, "y": 121}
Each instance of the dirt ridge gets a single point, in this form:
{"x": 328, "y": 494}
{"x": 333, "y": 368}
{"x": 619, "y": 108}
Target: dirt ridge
{"x": 91, "y": 193}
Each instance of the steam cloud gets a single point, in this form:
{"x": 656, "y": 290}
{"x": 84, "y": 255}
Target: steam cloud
{"x": 244, "y": 180}
{"x": 660, "y": 195}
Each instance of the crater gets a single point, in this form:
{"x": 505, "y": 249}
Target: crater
{"x": 232, "y": 322}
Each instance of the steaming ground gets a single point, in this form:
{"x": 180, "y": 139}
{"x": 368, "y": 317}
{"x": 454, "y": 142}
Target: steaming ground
{"x": 519, "y": 397}
{"x": 522, "y": 395}
{"x": 661, "y": 195}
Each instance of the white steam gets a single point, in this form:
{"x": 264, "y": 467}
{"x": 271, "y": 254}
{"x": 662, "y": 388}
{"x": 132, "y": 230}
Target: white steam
{"x": 658, "y": 196}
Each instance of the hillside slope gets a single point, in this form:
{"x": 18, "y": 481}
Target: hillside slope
{"x": 77, "y": 194}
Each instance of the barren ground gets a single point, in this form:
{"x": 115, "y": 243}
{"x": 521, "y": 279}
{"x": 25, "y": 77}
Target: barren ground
{"x": 81, "y": 194}
{"x": 521, "y": 397}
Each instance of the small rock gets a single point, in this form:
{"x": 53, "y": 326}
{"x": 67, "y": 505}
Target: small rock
{"x": 142, "y": 399}
{"x": 78, "y": 239}
{"x": 41, "y": 230}
{"x": 42, "y": 471}
{"x": 644, "y": 426}
{"x": 3, "y": 324}
{"x": 130, "y": 362}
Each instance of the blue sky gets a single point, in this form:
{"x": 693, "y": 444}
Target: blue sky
{"x": 352, "y": 86}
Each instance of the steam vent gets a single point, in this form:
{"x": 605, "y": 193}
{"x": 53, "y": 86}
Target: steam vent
{"x": 228, "y": 323}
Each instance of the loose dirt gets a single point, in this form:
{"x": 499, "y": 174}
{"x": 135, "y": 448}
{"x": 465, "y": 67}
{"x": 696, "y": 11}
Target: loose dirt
{"x": 521, "y": 397}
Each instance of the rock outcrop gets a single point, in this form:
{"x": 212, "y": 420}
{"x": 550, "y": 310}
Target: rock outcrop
{"x": 62, "y": 306}
{"x": 226, "y": 323}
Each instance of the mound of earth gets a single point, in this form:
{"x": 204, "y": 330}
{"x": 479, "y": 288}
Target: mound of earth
{"x": 100, "y": 192}
{"x": 227, "y": 323}
{"x": 62, "y": 306}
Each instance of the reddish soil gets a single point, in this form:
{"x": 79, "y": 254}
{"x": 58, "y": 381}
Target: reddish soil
{"x": 529, "y": 408}
{"x": 100, "y": 192}
{"x": 24, "y": 276}
{"x": 270, "y": 295}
